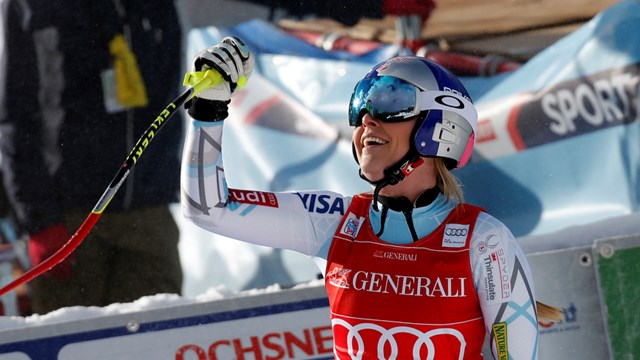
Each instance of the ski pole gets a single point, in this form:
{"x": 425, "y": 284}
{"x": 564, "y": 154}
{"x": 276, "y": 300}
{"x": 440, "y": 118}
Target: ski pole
{"x": 197, "y": 81}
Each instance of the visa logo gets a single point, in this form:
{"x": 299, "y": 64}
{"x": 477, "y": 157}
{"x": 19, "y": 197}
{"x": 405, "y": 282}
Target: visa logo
{"x": 322, "y": 203}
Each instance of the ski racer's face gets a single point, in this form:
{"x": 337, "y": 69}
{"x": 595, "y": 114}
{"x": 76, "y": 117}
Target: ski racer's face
{"x": 380, "y": 144}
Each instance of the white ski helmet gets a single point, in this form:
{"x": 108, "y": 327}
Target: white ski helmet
{"x": 402, "y": 88}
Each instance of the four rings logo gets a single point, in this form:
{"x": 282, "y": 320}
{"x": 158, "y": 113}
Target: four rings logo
{"x": 455, "y": 235}
{"x": 455, "y": 232}
{"x": 393, "y": 343}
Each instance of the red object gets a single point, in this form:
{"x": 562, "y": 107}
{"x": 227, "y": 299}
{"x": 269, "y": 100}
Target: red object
{"x": 458, "y": 63}
{"x": 58, "y": 256}
{"x": 423, "y": 8}
{"x": 462, "y": 64}
{"x": 45, "y": 243}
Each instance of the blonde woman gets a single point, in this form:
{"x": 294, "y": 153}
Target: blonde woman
{"x": 411, "y": 271}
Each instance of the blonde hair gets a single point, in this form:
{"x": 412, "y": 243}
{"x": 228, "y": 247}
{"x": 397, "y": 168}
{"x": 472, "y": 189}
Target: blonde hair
{"x": 447, "y": 182}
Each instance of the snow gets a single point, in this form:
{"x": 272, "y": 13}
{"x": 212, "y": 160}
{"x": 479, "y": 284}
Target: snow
{"x": 159, "y": 301}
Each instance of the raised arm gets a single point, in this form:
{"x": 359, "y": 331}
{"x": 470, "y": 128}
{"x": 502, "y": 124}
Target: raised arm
{"x": 282, "y": 220}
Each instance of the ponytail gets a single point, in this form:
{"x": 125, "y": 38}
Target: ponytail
{"x": 447, "y": 182}
{"x": 548, "y": 313}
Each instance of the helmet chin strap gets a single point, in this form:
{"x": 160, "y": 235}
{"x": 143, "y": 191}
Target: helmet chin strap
{"x": 394, "y": 173}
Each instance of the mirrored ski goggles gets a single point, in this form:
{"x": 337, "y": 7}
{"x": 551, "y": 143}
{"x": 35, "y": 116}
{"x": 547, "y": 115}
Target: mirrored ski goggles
{"x": 390, "y": 99}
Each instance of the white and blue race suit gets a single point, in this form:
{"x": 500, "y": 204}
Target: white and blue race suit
{"x": 306, "y": 222}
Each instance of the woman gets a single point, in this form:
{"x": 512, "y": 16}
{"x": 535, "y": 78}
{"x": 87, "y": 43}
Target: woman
{"x": 411, "y": 271}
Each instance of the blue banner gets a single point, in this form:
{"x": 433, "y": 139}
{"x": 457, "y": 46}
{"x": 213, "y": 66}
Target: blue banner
{"x": 558, "y": 140}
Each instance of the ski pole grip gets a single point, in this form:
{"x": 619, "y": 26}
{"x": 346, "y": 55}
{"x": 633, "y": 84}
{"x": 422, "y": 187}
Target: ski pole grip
{"x": 201, "y": 80}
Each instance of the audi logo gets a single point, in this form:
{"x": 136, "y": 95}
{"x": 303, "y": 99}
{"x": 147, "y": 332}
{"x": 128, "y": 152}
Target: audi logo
{"x": 387, "y": 344}
{"x": 455, "y": 232}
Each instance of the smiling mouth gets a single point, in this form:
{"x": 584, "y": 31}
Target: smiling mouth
{"x": 373, "y": 141}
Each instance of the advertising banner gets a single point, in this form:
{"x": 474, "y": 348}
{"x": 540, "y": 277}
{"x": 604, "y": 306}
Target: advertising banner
{"x": 294, "y": 323}
{"x": 567, "y": 278}
{"x": 558, "y": 140}
{"x": 288, "y": 324}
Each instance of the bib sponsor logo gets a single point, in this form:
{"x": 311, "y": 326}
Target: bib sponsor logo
{"x": 395, "y": 256}
{"x": 338, "y": 277}
{"x": 253, "y": 197}
{"x": 455, "y": 236}
{"x": 444, "y": 287}
{"x": 351, "y": 225}
{"x": 393, "y": 343}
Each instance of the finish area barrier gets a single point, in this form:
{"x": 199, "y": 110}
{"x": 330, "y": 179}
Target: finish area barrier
{"x": 594, "y": 284}
{"x": 288, "y": 324}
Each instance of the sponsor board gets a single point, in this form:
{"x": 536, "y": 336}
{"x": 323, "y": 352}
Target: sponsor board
{"x": 569, "y": 321}
{"x": 578, "y": 107}
{"x": 580, "y": 334}
{"x": 568, "y": 109}
{"x": 291, "y": 324}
